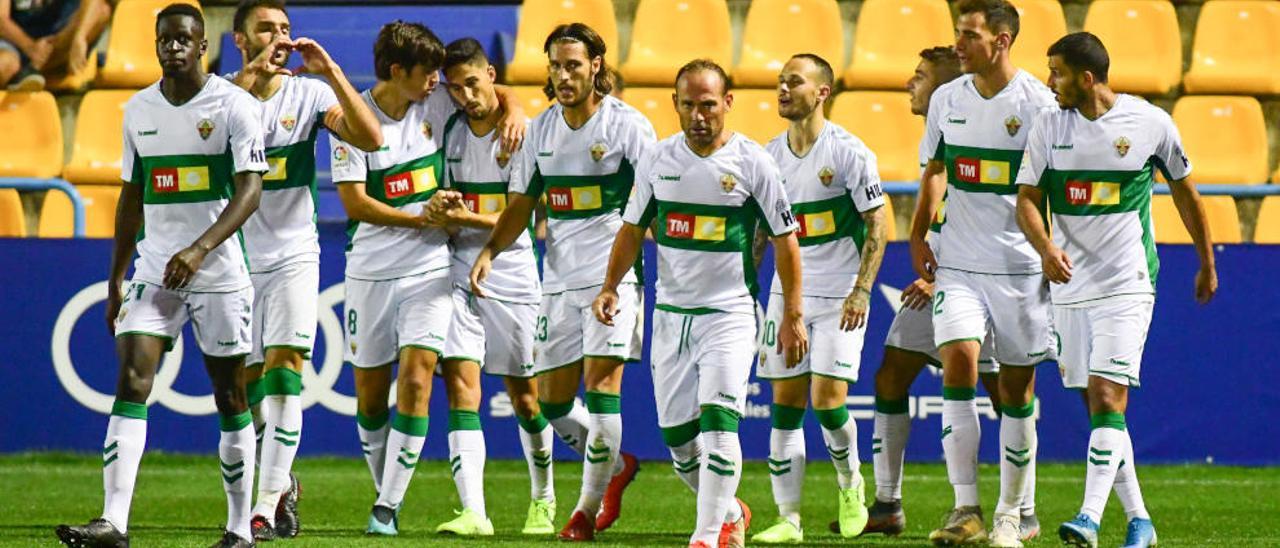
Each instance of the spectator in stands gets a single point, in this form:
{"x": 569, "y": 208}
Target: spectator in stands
{"x": 42, "y": 39}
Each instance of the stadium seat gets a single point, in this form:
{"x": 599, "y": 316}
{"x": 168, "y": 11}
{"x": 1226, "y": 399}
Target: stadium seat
{"x": 96, "y": 150}
{"x": 77, "y": 81}
{"x": 131, "y": 47}
{"x": 532, "y": 98}
{"x": 1237, "y": 48}
{"x": 1267, "y": 229}
{"x": 755, "y": 114}
{"x": 883, "y": 120}
{"x": 655, "y": 104}
{"x": 30, "y": 135}
{"x": 1041, "y": 23}
{"x": 777, "y": 29}
{"x": 13, "y": 223}
{"x": 539, "y": 17}
{"x": 57, "y": 219}
{"x": 890, "y": 35}
{"x": 1225, "y": 138}
{"x": 1144, "y": 43}
{"x": 669, "y": 33}
{"x": 1224, "y": 220}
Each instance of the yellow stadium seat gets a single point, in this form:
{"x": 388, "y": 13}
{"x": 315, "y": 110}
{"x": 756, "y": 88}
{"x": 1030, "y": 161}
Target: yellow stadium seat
{"x": 1267, "y": 229}
{"x": 890, "y": 35}
{"x": 1237, "y": 48}
{"x": 539, "y": 17}
{"x": 1041, "y": 23}
{"x": 57, "y": 219}
{"x": 1224, "y": 220}
{"x": 1225, "y": 138}
{"x": 13, "y": 223}
{"x": 755, "y": 114}
{"x": 1144, "y": 43}
{"x": 777, "y": 29}
{"x": 883, "y": 120}
{"x": 532, "y": 99}
{"x": 131, "y": 48}
{"x": 656, "y": 105}
{"x": 669, "y": 33}
{"x": 96, "y": 151}
{"x": 1275, "y": 177}
{"x": 30, "y": 135}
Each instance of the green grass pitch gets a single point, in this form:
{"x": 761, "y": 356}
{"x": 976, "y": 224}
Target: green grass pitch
{"x": 179, "y": 502}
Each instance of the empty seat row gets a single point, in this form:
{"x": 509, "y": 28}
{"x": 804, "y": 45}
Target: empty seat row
{"x": 1236, "y": 48}
{"x": 57, "y": 216}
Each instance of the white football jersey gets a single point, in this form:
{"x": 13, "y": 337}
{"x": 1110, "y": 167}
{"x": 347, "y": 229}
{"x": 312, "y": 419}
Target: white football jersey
{"x": 829, "y": 190}
{"x": 476, "y": 166}
{"x": 1097, "y": 177}
{"x": 283, "y": 230}
{"x": 705, "y": 212}
{"x": 981, "y": 141}
{"x": 587, "y": 174}
{"x": 186, "y": 157}
{"x": 403, "y": 174}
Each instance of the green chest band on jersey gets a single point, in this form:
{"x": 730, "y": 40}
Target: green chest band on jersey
{"x": 584, "y": 196}
{"x": 482, "y": 198}
{"x": 702, "y": 227}
{"x": 829, "y": 220}
{"x": 982, "y": 170}
{"x": 409, "y": 182}
{"x": 292, "y": 165}
{"x": 1087, "y": 192}
{"x": 184, "y": 179}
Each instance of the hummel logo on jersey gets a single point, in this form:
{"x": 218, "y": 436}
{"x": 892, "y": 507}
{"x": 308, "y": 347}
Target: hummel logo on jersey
{"x": 874, "y": 191}
{"x": 148, "y": 132}
{"x": 974, "y": 170}
{"x": 726, "y": 397}
{"x": 179, "y": 179}
{"x": 1119, "y": 362}
{"x": 617, "y": 345}
{"x": 845, "y": 365}
{"x": 301, "y": 335}
{"x": 226, "y": 343}
{"x": 453, "y": 160}
{"x": 1012, "y": 124}
{"x": 695, "y": 227}
{"x": 959, "y": 121}
{"x": 1122, "y": 146}
{"x": 205, "y": 127}
{"x": 545, "y": 154}
{"x": 1092, "y": 193}
{"x": 1063, "y": 147}
{"x": 668, "y": 177}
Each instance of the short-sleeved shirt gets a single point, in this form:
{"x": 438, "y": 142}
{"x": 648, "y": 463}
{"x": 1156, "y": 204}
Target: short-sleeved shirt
{"x": 829, "y": 190}
{"x": 1097, "y": 176}
{"x": 476, "y": 166}
{"x": 283, "y": 230}
{"x": 586, "y": 174}
{"x": 981, "y": 142}
{"x": 403, "y": 174}
{"x": 706, "y": 212}
{"x": 186, "y": 158}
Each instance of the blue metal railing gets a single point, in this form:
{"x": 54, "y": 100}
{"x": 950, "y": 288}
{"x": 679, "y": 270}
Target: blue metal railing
{"x": 77, "y": 204}
{"x": 1239, "y": 191}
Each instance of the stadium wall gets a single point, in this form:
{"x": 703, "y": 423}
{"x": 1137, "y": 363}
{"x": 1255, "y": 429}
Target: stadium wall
{"x": 1209, "y": 383}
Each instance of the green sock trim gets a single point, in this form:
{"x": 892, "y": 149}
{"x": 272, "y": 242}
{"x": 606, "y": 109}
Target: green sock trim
{"x": 718, "y": 419}
{"x": 786, "y": 417}
{"x": 372, "y": 423}
{"x": 1107, "y": 420}
{"x": 281, "y": 381}
{"x": 129, "y": 409}
{"x": 892, "y": 407}
{"x": 833, "y": 419}
{"x": 462, "y": 419}
{"x": 1019, "y": 412}
{"x": 956, "y": 393}
{"x": 253, "y": 391}
{"x": 409, "y": 424}
{"x": 534, "y": 424}
{"x": 603, "y": 403}
{"x": 553, "y": 411}
{"x": 675, "y": 436}
{"x": 235, "y": 423}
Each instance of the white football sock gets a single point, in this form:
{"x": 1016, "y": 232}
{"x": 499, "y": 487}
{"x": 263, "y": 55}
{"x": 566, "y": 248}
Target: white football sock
{"x": 236, "y": 453}
{"x": 888, "y": 447}
{"x": 570, "y": 423}
{"x": 786, "y": 470}
{"x": 1126, "y": 485}
{"x": 840, "y": 433}
{"x": 373, "y": 443}
{"x": 717, "y": 483}
{"x": 283, "y": 432}
{"x": 1107, "y": 444}
{"x": 961, "y": 434}
{"x": 686, "y": 459}
{"x": 1018, "y": 442}
{"x": 404, "y": 447}
{"x": 604, "y": 439}
{"x": 466, "y": 459}
{"x": 121, "y": 455}
{"x": 536, "y": 441}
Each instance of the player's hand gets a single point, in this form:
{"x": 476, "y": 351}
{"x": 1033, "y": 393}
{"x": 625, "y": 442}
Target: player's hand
{"x": 315, "y": 60}
{"x": 480, "y": 271}
{"x": 605, "y": 306}
{"x": 40, "y": 51}
{"x": 854, "y": 311}
{"x": 1057, "y": 265}
{"x": 265, "y": 64}
{"x": 437, "y": 211}
{"x": 511, "y": 130}
{"x": 793, "y": 342}
{"x": 183, "y": 266}
{"x": 923, "y": 261}
{"x": 1206, "y": 284}
{"x": 115, "y": 300}
{"x": 917, "y": 295}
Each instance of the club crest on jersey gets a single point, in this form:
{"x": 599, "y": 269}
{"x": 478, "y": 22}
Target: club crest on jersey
{"x": 1122, "y": 146}
{"x": 502, "y": 157}
{"x": 826, "y": 175}
{"x": 1012, "y": 124}
{"x": 426, "y": 129}
{"x": 597, "y": 151}
{"x": 205, "y": 127}
{"x": 728, "y": 182}
{"x": 288, "y": 122}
